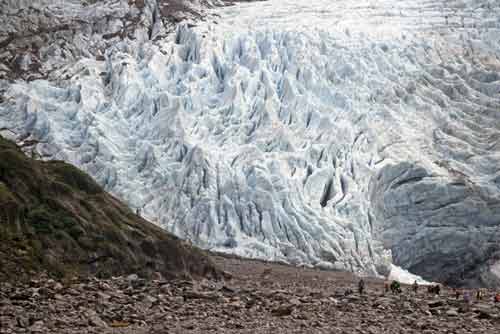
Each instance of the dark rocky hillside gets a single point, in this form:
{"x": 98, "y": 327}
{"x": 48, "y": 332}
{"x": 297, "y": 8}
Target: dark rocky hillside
{"x": 55, "y": 218}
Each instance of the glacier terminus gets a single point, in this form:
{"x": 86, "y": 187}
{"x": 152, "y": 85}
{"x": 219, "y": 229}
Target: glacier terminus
{"x": 349, "y": 135}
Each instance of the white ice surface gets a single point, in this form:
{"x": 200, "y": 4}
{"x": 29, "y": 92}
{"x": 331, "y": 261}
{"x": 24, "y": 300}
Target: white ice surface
{"x": 405, "y": 277}
{"x": 266, "y": 130}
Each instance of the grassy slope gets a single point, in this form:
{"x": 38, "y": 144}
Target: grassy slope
{"x": 55, "y": 218}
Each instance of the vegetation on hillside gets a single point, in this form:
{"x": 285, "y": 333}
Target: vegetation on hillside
{"x": 55, "y": 218}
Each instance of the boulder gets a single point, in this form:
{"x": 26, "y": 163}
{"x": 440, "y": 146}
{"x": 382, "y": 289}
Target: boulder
{"x": 282, "y": 310}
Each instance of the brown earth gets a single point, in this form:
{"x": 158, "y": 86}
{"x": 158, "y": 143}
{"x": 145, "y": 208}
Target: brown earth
{"x": 259, "y": 298}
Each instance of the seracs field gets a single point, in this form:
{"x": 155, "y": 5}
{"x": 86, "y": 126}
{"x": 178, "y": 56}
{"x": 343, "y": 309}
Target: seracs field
{"x": 342, "y": 134}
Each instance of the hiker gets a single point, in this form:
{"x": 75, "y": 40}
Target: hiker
{"x": 138, "y": 212}
{"x": 457, "y": 293}
{"x": 415, "y": 287}
{"x": 395, "y": 287}
{"x": 497, "y": 297}
{"x": 479, "y": 294}
{"x": 361, "y": 286}
{"x": 467, "y": 300}
{"x": 467, "y": 297}
{"x": 386, "y": 286}
{"x": 434, "y": 289}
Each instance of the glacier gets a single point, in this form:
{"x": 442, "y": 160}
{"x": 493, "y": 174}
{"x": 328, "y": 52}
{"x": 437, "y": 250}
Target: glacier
{"x": 349, "y": 135}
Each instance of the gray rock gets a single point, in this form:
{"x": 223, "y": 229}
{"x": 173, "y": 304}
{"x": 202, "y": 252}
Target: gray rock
{"x": 283, "y": 310}
{"x": 437, "y": 225}
{"x": 95, "y": 320}
{"x": 132, "y": 277}
{"x": 435, "y": 303}
{"x": 37, "y": 327}
{"x": 23, "y": 321}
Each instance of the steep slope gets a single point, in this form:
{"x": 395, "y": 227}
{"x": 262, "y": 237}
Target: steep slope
{"x": 342, "y": 134}
{"x": 55, "y": 218}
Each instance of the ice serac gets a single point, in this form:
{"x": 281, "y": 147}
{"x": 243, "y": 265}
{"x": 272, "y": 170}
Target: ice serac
{"x": 325, "y": 133}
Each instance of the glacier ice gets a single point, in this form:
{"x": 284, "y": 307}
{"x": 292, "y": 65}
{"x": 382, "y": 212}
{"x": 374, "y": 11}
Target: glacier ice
{"x": 343, "y": 134}
{"x": 403, "y": 276}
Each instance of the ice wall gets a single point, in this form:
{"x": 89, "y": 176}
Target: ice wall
{"x": 320, "y": 133}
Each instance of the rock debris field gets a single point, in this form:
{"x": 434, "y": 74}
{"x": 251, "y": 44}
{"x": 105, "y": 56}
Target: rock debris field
{"x": 254, "y": 297}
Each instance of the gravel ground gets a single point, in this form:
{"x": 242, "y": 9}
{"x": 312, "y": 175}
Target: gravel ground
{"x": 255, "y": 297}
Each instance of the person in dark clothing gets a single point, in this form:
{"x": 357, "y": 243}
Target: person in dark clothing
{"x": 361, "y": 286}
{"x": 395, "y": 287}
{"x": 415, "y": 286}
{"x": 434, "y": 289}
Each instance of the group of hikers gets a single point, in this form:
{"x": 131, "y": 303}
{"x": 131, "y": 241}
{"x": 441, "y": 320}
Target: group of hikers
{"x": 395, "y": 288}
{"x": 480, "y": 295}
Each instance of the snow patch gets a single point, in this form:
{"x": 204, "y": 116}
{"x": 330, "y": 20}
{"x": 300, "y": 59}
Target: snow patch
{"x": 404, "y": 276}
